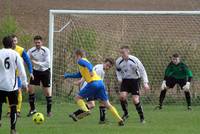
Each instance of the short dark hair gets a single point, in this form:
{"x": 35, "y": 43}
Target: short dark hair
{"x": 38, "y": 37}
{"x": 7, "y": 42}
{"x": 175, "y": 55}
{"x": 80, "y": 52}
{"x": 13, "y": 35}
{"x": 124, "y": 47}
{"x": 110, "y": 60}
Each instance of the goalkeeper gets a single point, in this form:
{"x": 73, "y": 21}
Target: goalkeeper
{"x": 95, "y": 87}
{"x": 176, "y": 73}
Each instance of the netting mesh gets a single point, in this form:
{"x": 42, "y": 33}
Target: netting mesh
{"x": 152, "y": 38}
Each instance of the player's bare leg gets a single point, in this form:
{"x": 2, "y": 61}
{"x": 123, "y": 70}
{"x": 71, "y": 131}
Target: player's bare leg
{"x": 31, "y": 99}
{"x": 124, "y": 104}
{"x": 48, "y": 95}
{"x": 114, "y": 112}
{"x": 138, "y": 106}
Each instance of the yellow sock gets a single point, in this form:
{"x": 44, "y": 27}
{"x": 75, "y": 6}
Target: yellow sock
{"x": 115, "y": 113}
{"x": 82, "y": 105}
{"x": 19, "y": 105}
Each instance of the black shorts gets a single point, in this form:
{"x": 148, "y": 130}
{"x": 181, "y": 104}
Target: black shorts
{"x": 12, "y": 97}
{"x": 41, "y": 76}
{"x": 171, "y": 82}
{"x": 131, "y": 86}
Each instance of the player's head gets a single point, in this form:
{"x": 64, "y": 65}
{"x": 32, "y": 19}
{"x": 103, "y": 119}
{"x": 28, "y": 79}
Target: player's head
{"x": 108, "y": 63}
{"x": 15, "y": 40}
{"x": 175, "y": 58}
{"x": 124, "y": 51}
{"x": 7, "y": 42}
{"x": 38, "y": 41}
{"x": 79, "y": 53}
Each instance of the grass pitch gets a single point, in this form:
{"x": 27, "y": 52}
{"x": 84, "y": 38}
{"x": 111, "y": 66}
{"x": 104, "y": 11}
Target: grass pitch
{"x": 170, "y": 120}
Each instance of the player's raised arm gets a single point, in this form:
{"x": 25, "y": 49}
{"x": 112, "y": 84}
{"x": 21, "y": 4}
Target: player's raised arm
{"x": 72, "y": 75}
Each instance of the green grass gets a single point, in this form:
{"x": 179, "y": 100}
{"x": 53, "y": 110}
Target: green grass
{"x": 170, "y": 120}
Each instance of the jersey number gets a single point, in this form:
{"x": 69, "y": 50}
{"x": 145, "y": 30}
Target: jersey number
{"x": 7, "y": 63}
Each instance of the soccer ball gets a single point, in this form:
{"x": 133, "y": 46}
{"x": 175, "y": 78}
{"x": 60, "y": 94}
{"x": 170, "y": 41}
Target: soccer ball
{"x": 38, "y": 118}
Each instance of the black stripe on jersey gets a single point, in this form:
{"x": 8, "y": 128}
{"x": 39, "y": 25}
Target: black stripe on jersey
{"x": 131, "y": 60}
{"x": 15, "y": 75}
{"x": 33, "y": 50}
{"x": 121, "y": 61}
{"x": 43, "y": 49}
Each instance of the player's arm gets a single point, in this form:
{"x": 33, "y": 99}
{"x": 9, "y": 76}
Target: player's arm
{"x": 143, "y": 74}
{"x": 72, "y": 75}
{"x": 189, "y": 73}
{"x": 118, "y": 72}
{"x": 186, "y": 87}
{"x": 46, "y": 62}
{"x": 27, "y": 60}
{"x": 86, "y": 64}
{"x": 22, "y": 72}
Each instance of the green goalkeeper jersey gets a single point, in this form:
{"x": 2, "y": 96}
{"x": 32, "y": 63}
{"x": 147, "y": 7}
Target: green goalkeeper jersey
{"x": 179, "y": 71}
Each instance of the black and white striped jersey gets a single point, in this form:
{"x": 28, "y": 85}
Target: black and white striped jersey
{"x": 130, "y": 69}
{"x": 42, "y": 56}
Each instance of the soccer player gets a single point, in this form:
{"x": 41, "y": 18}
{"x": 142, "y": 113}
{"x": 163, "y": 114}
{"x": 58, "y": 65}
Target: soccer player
{"x": 10, "y": 61}
{"x": 130, "y": 71}
{"x": 40, "y": 57}
{"x": 176, "y": 73}
{"x": 100, "y": 70}
{"x": 95, "y": 87}
{"x": 22, "y": 52}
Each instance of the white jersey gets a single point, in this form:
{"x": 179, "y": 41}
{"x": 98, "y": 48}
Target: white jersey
{"x": 100, "y": 72}
{"x": 130, "y": 69}
{"x": 10, "y": 61}
{"x": 41, "y": 56}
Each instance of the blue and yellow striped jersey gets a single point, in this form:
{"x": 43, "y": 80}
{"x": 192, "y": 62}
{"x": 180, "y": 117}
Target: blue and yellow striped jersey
{"x": 85, "y": 68}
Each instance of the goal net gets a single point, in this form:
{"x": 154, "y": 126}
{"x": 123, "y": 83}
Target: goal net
{"x": 153, "y": 36}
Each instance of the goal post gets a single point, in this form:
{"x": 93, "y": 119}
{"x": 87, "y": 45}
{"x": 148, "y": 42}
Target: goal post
{"x": 153, "y": 37}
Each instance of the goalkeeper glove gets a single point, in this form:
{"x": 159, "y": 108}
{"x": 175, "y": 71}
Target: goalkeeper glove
{"x": 187, "y": 86}
{"x": 163, "y": 86}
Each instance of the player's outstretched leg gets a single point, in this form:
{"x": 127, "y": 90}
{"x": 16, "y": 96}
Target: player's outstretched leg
{"x": 79, "y": 114}
{"x": 114, "y": 112}
{"x": 188, "y": 99}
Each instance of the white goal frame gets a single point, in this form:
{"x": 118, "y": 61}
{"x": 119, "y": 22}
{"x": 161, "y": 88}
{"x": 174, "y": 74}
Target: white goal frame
{"x": 52, "y": 13}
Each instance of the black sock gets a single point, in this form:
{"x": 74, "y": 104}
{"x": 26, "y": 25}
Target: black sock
{"x": 32, "y": 101}
{"x": 162, "y": 97}
{"x": 102, "y": 111}
{"x": 13, "y": 116}
{"x": 139, "y": 110}
{"x": 1, "y": 110}
{"x": 49, "y": 103}
{"x": 78, "y": 112}
{"x": 124, "y": 105}
{"x": 188, "y": 98}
